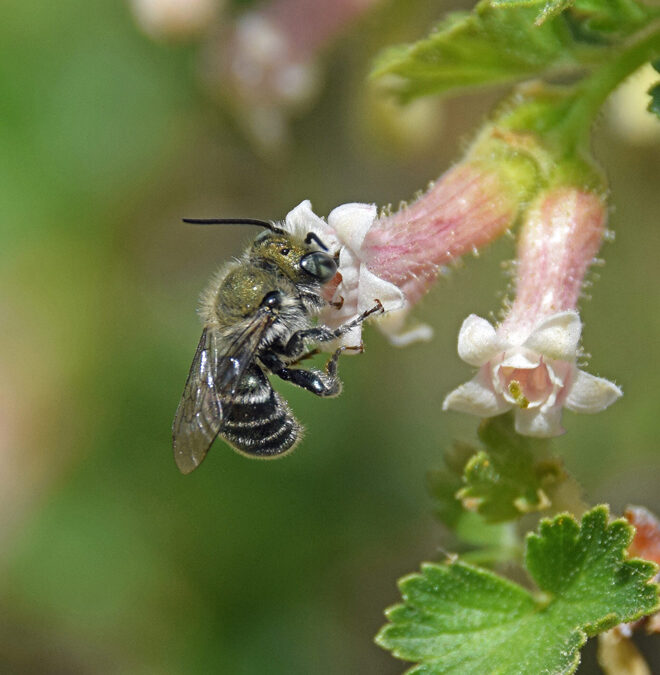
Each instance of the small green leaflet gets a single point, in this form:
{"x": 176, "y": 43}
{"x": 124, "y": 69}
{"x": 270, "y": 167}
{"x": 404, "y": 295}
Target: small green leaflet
{"x": 601, "y": 15}
{"x": 654, "y": 104}
{"x": 511, "y": 476}
{"x": 476, "y": 538}
{"x": 548, "y": 8}
{"x": 508, "y": 476}
{"x": 444, "y": 483}
{"x": 504, "y": 41}
{"x": 654, "y": 93}
{"x": 461, "y": 619}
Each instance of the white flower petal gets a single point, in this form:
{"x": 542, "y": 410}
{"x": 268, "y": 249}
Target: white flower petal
{"x": 301, "y": 220}
{"x": 477, "y": 341}
{"x": 477, "y": 398}
{"x": 394, "y": 325}
{"x": 420, "y": 332}
{"x": 539, "y": 422}
{"x": 559, "y": 372}
{"x": 591, "y": 394}
{"x": 349, "y": 268}
{"x": 518, "y": 360}
{"x": 557, "y": 337}
{"x": 351, "y": 222}
{"x": 372, "y": 288}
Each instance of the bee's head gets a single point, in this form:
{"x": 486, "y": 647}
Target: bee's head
{"x": 299, "y": 260}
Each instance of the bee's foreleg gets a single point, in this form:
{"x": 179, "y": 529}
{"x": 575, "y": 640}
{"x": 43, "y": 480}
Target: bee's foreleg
{"x": 296, "y": 343}
{"x": 316, "y": 381}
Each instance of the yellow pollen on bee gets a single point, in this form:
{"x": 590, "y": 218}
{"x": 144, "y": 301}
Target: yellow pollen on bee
{"x": 516, "y": 391}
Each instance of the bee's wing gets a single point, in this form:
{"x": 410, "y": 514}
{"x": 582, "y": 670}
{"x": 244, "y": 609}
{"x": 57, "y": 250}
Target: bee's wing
{"x": 199, "y": 415}
{"x": 214, "y": 375}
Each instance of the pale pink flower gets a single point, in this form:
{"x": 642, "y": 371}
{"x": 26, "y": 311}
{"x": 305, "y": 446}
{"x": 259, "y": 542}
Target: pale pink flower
{"x": 528, "y": 363}
{"x": 395, "y": 258}
{"x": 355, "y": 287}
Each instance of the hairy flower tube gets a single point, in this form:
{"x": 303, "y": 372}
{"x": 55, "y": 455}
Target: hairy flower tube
{"x": 528, "y": 363}
{"x": 396, "y": 257}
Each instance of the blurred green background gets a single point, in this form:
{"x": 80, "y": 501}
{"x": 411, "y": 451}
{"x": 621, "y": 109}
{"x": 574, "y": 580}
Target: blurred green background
{"x": 111, "y": 561}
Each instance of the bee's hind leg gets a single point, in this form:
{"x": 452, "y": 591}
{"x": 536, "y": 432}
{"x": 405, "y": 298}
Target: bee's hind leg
{"x": 318, "y": 382}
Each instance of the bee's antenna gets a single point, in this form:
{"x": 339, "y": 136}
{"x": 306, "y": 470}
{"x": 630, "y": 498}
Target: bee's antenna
{"x": 234, "y": 221}
{"x": 312, "y": 236}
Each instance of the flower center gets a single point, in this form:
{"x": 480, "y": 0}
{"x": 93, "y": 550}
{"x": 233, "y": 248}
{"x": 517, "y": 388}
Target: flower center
{"x": 525, "y": 387}
{"x": 516, "y": 391}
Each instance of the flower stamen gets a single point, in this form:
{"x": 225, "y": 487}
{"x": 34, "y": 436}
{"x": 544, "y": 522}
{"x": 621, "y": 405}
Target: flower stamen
{"x": 516, "y": 391}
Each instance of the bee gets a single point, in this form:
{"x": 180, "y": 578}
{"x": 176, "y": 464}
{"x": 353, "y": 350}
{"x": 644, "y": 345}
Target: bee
{"x": 258, "y": 315}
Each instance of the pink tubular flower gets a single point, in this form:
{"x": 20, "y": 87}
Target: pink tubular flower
{"x": 395, "y": 258}
{"x": 465, "y": 209}
{"x": 529, "y": 362}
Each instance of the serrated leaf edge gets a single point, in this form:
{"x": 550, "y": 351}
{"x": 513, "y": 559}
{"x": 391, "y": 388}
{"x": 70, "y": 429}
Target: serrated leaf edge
{"x": 599, "y": 515}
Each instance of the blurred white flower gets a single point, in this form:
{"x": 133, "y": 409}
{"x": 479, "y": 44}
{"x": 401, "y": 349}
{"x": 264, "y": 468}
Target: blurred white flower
{"x": 174, "y": 18}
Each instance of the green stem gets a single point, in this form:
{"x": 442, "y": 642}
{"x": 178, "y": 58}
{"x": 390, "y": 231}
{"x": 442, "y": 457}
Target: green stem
{"x": 594, "y": 90}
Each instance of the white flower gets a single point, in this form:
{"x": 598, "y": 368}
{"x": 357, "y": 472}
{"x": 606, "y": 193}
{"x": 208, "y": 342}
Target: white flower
{"x": 536, "y": 377}
{"x": 357, "y": 288}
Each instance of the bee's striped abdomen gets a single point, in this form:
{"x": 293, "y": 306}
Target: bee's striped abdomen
{"x": 259, "y": 422}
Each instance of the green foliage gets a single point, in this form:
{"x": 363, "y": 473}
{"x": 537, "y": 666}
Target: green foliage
{"x": 444, "y": 483}
{"x": 654, "y": 93}
{"x": 548, "y": 9}
{"x": 505, "y": 479}
{"x": 508, "y": 41}
{"x": 478, "y": 540}
{"x": 654, "y": 105}
{"x": 604, "y": 16}
{"x": 510, "y": 477}
{"x": 457, "y": 618}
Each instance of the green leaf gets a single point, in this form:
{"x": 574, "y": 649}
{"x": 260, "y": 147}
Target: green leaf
{"x": 446, "y": 482}
{"x": 548, "y": 8}
{"x": 487, "y": 46}
{"x": 612, "y": 17}
{"x": 457, "y": 618}
{"x": 654, "y": 104}
{"x": 508, "y": 41}
{"x": 511, "y": 476}
{"x": 476, "y": 539}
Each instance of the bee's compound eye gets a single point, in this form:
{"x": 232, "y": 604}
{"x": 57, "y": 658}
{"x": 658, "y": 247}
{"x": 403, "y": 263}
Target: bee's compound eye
{"x": 272, "y": 300}
{"x": 319, "y": 265}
